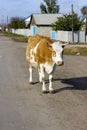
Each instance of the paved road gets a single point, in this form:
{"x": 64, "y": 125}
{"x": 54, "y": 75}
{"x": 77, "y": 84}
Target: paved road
{"x": 24, "y": 107}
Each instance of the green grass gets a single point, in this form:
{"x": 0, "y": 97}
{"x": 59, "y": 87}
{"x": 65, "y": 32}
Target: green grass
{"x": 16, "y": 37}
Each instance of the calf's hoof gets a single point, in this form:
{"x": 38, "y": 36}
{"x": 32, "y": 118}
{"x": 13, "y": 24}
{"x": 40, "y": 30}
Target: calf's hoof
{"x": 31, "y": 83}
{"x": 51, "y": 91}
{"x": 45, "y": 91}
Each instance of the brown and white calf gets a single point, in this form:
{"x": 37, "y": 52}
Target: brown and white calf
{"x": 44, "y": 54}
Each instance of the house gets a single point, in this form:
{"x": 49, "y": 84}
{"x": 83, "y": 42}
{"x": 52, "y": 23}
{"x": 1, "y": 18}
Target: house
{"x": 0, "y": 28}
{"x": 41, "y": 23}
{"x": 83, "y": 27}
{"x": 27, "y": 21}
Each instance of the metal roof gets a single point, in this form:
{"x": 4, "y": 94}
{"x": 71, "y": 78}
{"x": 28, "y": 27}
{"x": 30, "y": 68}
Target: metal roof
{"x": 46, "y": 19}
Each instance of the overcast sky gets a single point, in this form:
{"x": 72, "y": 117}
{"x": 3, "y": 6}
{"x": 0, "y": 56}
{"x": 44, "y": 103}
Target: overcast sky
{"x": 23, "y": 8}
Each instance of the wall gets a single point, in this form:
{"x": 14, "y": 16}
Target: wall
{"x": 67, "y": 36}
{"x": 44, "y": 31}
{"x": 59, "y": 35}
{"x": 25, "y": 32}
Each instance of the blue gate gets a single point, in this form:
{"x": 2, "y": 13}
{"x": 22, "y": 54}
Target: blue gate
{"x": 34, "y": 30}
{"x": 53, "y": 35}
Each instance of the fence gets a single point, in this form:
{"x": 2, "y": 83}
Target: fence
{"x": 57, "y": 35}
{"x": 67, "y": 36}
{"x": 25, "y": 32}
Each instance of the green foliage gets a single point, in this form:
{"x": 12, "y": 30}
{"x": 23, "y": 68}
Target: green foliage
{"x": 49, "y": 6}
{"x": 17, "y": 23}
{"x": 65, "y": 23}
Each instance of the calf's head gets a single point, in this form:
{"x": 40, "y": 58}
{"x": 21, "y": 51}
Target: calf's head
{"x": 57, "y": 52}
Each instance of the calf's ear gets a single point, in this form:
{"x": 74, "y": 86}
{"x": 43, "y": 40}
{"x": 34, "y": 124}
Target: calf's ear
{"x": 50, "y": 46}
{"x": 64, "y": 44}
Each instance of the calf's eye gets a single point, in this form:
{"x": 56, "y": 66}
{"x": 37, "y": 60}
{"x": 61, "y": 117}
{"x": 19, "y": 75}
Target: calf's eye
{"x": 54, "y": 54}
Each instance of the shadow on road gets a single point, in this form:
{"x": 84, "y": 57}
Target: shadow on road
{"x": 78, "y": 83}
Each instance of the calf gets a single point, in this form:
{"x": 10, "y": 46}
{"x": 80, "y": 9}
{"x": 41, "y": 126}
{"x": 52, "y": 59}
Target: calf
{"x": 44, "y": 54}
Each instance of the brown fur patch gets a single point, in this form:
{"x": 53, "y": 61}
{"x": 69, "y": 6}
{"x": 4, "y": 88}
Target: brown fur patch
{"x": 44, "y": 53}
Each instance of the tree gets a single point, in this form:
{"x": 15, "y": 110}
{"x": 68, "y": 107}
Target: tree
{"x": 49, "y": 6}
{"x": 65, "y": 23}
{"x": 84, "y": 10}
{"x": 16, "y": 23}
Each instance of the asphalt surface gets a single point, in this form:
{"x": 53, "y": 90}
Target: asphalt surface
{"x": 24, "y": 107}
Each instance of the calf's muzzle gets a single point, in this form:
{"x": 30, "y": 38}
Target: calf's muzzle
{"x": 59, "y": 63}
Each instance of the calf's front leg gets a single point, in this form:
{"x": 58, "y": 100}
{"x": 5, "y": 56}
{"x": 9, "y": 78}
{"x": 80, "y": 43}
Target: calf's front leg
{"x": 50, "y": 83}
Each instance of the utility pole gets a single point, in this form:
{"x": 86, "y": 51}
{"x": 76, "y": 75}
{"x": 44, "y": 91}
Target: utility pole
{"x": 86, "y": 27}
{"x": 3, "y": 22}
{"x": 72, "y": 24}
{"x": 7, "y": 23}
{"x": 50, "y": 2}
{"x": 7, "y": 20}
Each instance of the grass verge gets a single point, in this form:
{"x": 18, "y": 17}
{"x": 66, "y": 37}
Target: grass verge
{"x": 76, "y": 51}
{"x": 16, "y": 37}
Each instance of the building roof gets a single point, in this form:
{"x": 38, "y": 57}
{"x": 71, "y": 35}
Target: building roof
{"x": 28, "y": 19}
{"x": 45, "y": 19}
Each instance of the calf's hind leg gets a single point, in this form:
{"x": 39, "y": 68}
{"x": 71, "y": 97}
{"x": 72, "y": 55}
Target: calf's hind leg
{"x": 42, "y": 79}
{"x": 30, "y": 76}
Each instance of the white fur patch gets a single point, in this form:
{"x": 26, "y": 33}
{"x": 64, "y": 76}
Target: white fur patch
{"x": 48, "y": 67}
{"x": 35, "y": 49}
{"x": 58, "y": 49}
{"x": 32, "y": 59}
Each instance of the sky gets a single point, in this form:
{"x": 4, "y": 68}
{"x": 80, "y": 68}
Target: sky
{"x": 24, "y": 8}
